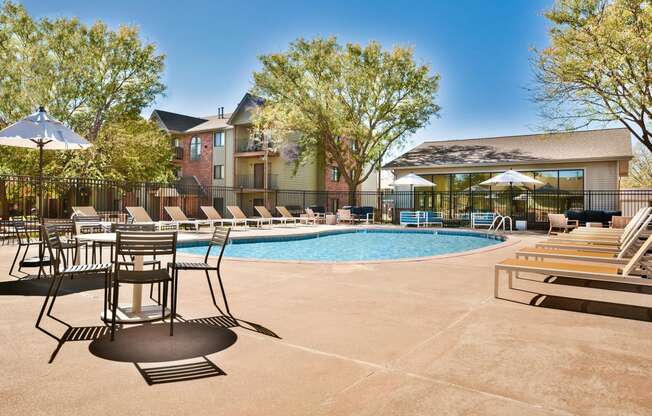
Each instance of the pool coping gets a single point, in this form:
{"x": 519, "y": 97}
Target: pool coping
{"x": 508, "y": 241}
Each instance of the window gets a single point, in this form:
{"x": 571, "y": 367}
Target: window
{"x": 218, "y": 139}
{"x": 218, "y": 172}
{"x": 175, "y": 142}
{"x": 549, "y": 178}
{"x": 571, "y": 180}
{"x": 335, "y": 174}
{"x": 195, "y": 148}
{"x": 461, "y": 182}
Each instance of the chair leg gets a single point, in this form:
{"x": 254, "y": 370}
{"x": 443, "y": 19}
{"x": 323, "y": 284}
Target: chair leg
{"x": 14, "y": 262}
{"x": 56, "y": 293}
{"x": 114, "y": 307}
{"x": 107, "y": 283}
{"x": 20, "y": 267}
{"x": 226, "y": 303}
{"x": 173, "y": 302}
{"x": 165, "y": 300}
{"x": 45, "y": 302}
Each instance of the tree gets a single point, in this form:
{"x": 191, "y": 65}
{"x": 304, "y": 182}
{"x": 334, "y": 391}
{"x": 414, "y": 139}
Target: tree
{"x": 349, "y": 103}
{"x": 640, "y": 169}
{"x": 598, "y": 67}
{"x": 86, "y": 76}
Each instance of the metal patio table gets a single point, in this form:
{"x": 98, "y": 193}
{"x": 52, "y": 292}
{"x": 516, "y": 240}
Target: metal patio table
{"x": 136, "y": 312}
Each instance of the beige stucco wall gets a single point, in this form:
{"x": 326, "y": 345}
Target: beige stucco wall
{"x": 224, "y": 156}
{"x": 597, "y": 175}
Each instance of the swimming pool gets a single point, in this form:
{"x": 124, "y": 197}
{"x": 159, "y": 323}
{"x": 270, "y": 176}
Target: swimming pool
{"x": 354, "y": 245}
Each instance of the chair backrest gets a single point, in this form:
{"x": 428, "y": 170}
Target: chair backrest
{"x": 138, "y": 214}
{"x": 636, "y": 258}
{"x": 132, "y": 227}
{"x": 344, "y": 214}
{"x": 220, "y": 238}
{"x": 22, "y": 231}
{"x": 236, "y": 212}
{"x": 636, "y": 223}
{"x": 284, "y": 212}
{"x": 263, "y": 211}
{"x": 557, "y": 220}
{"x": 84, "y": 211}
{"x": 310, "y": 212}
{"x": 176, "y": 214}
{"x": 52, "y": 238}
{"x": 210, "y": 212}
{"x": 144, "y": 243}
{"x": 632, "y": 238}
{"x": 410, "y": 217}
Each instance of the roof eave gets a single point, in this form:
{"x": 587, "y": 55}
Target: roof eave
{"x": 519, "y": 163}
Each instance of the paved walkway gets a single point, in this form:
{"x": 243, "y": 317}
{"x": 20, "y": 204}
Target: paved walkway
{"x": 418, "y": 338}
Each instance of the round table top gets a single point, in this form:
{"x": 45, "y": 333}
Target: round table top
{"x": 110, "y": 237}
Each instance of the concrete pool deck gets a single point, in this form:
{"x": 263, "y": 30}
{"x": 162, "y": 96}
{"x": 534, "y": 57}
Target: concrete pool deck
{"x": 404, "y": 338}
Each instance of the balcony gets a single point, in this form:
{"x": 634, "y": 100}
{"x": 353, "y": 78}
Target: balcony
{"x": 248, "y": 148}
{"x": 177, "y": 151}
{"x": 256, "y": 181}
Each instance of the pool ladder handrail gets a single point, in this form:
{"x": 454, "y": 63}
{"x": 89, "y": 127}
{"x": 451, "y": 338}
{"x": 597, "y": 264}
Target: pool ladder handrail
{"x": 500, "y": 221}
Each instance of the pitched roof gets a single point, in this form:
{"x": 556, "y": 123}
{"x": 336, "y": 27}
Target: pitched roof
{"x": 249, "y": 100}
{"x": 212, "y": 123}
{"x": 176, "y": 122}
{"x": 605, "y": 144}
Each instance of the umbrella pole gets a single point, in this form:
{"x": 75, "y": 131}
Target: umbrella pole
{"x": 40, "y": 180}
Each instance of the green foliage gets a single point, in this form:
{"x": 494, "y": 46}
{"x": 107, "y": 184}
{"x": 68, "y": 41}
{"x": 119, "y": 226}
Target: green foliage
{"x": 90, "y": 77}
{"x": 350, "y": 103}
{"x": 640, "y": 169}
{"x": 598, "y": 65}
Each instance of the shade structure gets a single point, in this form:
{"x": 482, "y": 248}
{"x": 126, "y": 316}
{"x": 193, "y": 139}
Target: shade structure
{"x": 412, "y": 180}
{"x": 511, "y": 177}
{"x": 40, "y": 131}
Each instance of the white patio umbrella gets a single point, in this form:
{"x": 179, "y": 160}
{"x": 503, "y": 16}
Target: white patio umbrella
{"x": 511, "y": 178}
{"x": 412, "y": 180}
{"x": 40, "y": 131}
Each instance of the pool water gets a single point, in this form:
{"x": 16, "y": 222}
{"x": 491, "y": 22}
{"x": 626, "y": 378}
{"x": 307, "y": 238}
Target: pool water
{"x": 354, "y": 245}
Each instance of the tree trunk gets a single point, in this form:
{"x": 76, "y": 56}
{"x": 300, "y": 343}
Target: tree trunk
{"x": 353, "y": 186}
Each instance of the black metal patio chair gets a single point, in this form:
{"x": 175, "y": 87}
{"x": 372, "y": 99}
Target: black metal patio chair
{"x": 26, "y": 239}
{"x": 136, "y": 227}
{"x": 219, "y": 239}
{"x": 52, "y": 238}
{"x": 143, "y": 243}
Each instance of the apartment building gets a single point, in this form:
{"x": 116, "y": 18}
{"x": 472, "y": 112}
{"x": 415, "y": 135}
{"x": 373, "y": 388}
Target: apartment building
{"x": 222, "y": 150}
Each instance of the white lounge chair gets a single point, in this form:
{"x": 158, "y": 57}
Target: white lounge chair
{"x": 237, "y": 213}
{"x": 179, "y": 217}
{"x": 264, "y": 212}
{"x": 140, "y": 216}
{"x": 287, "y": 214}
{"x": 214, "y": 216}
{"x": 634, "y": 272}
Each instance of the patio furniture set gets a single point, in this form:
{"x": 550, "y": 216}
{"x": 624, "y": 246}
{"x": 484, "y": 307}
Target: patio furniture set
{"x": 619, "y": 255}
{"x": 490, "y": 220}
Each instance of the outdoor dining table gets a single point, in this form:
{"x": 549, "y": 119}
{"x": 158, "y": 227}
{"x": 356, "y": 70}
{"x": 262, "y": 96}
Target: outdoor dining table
{"x": 135, "y": 312}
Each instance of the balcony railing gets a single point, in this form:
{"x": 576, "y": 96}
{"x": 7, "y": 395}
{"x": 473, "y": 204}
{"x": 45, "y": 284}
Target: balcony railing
{"x": 253, "y": 146}
{"x": 257, "y": 182}
{"x": 177, "y": 151}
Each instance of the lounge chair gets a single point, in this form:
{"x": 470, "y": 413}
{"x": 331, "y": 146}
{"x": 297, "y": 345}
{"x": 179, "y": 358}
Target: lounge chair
{"x": 85, "y": 211}
{"x": 640, "y": 224}
{"x": 610, "y": 254}
{"x": 421, "y": 218}
{"x": 344, "y": 215}
{"x": 561, "y": 222}
{"x": 237, "y": 213}
{"x": 318, "y": 217}
{"x": 140, "y": 216}
{"x": 633, "y": 272}
{"x": 179, "y": 217}
{"x": 214, "y": 216}
{"x": 287, "y": 214}
{"x": 264, "y": 212}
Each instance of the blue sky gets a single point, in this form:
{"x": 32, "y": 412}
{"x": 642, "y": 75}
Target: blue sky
{"x": 481, "y": 49}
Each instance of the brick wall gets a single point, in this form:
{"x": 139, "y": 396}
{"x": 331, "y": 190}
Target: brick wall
{"x": 202, "y": 168}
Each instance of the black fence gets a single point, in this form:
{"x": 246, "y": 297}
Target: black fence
{"x": 19, "y": 195}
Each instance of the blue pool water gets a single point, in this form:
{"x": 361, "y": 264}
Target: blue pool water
{"x": 354, "y": 245}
